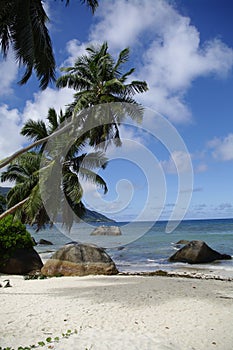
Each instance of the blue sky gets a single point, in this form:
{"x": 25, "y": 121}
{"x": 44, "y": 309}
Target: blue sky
{"x": 184, "y": 50}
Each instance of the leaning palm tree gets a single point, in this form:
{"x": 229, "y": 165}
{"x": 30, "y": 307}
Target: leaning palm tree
{"x": 97, "y": 79}
{"x": 24, "y": 199}
{"x": 23, "y": 27}
{"x": 32, "y": 176}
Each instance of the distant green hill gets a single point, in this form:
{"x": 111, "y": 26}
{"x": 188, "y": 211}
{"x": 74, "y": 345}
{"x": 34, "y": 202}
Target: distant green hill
{"x": 93, "y": 216}
{"x": 90, "y": 216}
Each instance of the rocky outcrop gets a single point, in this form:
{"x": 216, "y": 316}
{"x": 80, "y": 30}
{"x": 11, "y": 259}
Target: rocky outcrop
{"x": 76, "y": 259}
{"x": 182, "y": 241}
{"x": 106, "y": 231}
{"x": 196, "y": 252}
{"x": 44, "y": 242}
{"x": 23, "y": 261}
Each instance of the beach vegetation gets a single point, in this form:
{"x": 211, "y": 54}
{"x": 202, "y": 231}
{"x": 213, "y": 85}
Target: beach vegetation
{"x": 13, "y": 235}
{"x": 25, "y": 196}
{"x": 45, "y": 342}
{"x": 2, "y": 204}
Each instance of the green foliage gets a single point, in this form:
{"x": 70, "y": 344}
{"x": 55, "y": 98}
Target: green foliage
{"x": 35, "y": 277}
{"x": 13, "y": 235}
{"x": 2, "y": 204}
{"x": 42, "y": 343}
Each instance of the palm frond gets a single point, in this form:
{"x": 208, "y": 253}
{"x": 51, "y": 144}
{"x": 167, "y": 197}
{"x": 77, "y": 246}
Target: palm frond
{"x": 16, "y": 194}
{"x": 91, "y": 160}
{"x": 122, "y": 58}
{"x": 31, "y": 41}
{"x": 35, "y": 211}
{"x": 90, "y": 176}
{"x": 72, "y": 187}
{"x": 5, "y": 24}
{"x": 135, "y": 87}
{"x": 53, "y": 120}
{"x": 93, "y": 4}
{"x": 34, "y": 130}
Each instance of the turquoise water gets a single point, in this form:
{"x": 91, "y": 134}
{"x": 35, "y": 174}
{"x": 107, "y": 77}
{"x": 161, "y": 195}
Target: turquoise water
{"x": 135, "y": 251}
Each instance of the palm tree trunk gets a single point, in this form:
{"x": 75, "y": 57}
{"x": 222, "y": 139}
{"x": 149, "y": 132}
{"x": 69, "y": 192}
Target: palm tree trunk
{"x": 12, "y": 209}
{"x": 9, "y": 159}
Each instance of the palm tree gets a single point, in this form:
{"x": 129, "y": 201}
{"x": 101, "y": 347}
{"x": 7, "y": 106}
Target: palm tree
{"x": 24, "y": 171}
{"x": 32, "y": 178}
{"x": 99, "y": 79}
{"x": 23, "y": 27}
{"x": 38, "y": 130}
{"x": 2, "y": 204}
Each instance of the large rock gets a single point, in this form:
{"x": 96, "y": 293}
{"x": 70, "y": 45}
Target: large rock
{"x": 196, "y": 252}
{"x": 106, "y": 231}
{"x": 44, "y": 242}
{"x": 182, "y": 241}
{"x": 23, "y": 261}
{"x": 76, "y": 259}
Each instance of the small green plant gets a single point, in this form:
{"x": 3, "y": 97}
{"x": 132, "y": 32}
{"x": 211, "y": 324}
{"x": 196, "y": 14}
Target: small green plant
{"x": 13, "y": 235}
{"x": 38, "y": 276}
{"x": 48, "y": 342}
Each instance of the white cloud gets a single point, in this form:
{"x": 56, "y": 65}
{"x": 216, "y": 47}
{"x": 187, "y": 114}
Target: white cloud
{"x": 222, "y": 148}
{"x": 74, "y": 49}
{"x": 171, "y": 106}
{"x": 121, "y": 22}
{"x": 10, "y": 138}
{"x": 11, "y": 120}
{"x": 8, "y": 74}
{"x": 178, "y": 161}
{"x": 201, "y": 168}
{"x": 224, "y": 206}
{"x": 166, "y": 48}
{"x": 95, "y": 199}
{"x": 43, "y": 100}
{"x": 9, "y": 129}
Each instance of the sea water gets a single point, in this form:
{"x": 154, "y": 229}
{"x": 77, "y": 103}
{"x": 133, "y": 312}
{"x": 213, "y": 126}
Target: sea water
{"x": 146, "y": 246}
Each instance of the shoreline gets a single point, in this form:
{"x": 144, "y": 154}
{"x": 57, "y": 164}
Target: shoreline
{"x": 197, "y": 274}
{"x": 118, "y": 312}
{"x": 200, "y": 271}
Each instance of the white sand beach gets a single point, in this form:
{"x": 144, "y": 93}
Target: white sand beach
{"x": 118, "y": 312}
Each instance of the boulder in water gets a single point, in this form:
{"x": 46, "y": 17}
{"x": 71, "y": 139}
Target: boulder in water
{"x": 44, "y": 242}
{"x": 196, "y": 252}
{"x": 106, "y": 231}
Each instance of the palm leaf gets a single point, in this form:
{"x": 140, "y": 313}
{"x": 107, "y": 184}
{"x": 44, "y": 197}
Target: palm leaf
{"x": 34, "y": 130}
{"x": 93, "y": 4}
{"x": 72, "y": 187}
{"x": 94, "y": 178}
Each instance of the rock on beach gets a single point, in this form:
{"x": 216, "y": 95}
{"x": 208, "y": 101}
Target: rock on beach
{"x": 79, "y": 260}
{"x": 22, "y": 262}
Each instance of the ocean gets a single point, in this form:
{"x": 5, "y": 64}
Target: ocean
{"x": 146, "y": 246}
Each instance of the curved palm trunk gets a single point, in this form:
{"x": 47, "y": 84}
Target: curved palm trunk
{"x": 9, "y": 159}
{"x": 13, "y": 209}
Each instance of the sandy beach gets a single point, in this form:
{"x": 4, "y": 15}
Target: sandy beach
{"x": 118, "y": 312}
